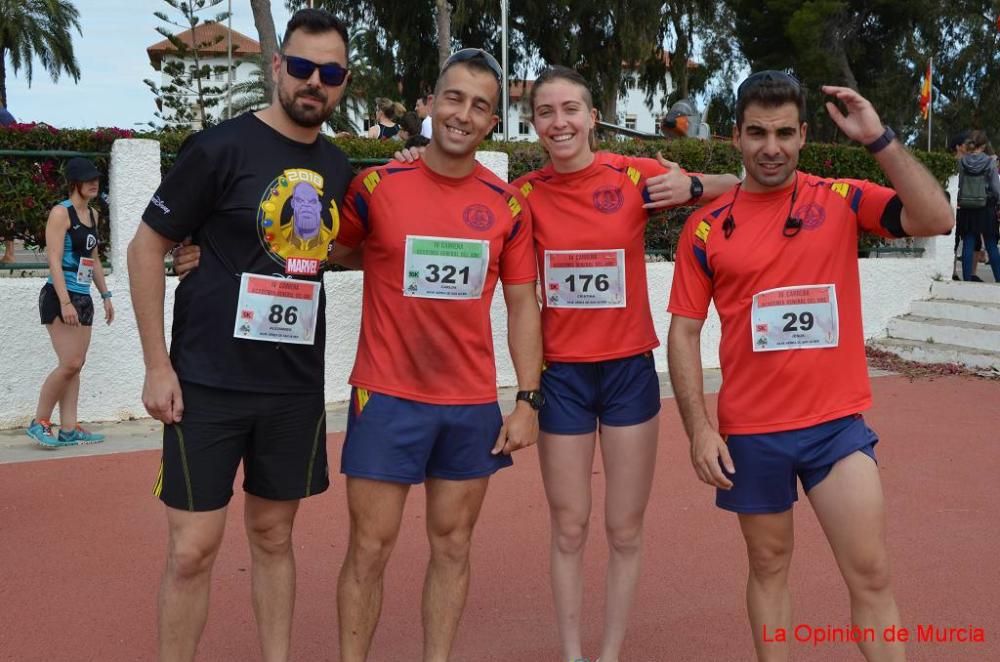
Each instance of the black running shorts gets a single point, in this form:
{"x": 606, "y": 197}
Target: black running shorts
{"x": 49, "y": 308}
{"x": 281, "y": 440}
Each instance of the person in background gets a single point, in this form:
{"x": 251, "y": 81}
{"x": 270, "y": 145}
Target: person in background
{"x": 409, "y": 126}
{"x": 6, "y": 119}
{"x": 423, "y": 109}
{"x": 65, "y": 306}
{"x": 385, "y": 126}
{"x": 978, "y": 189}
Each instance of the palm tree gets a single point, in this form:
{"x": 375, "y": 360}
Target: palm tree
{"x": 40, "y": 29}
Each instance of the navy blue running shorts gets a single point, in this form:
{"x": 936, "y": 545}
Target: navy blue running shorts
{"x": 619, "y": 392}
{"x": 403, "y": 441}
{"x": 768, "y": 464}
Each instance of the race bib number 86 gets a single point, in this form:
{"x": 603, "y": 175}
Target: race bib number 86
{"x": 277, "y": 309}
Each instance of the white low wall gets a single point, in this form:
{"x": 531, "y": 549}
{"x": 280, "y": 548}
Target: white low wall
{"x": 111, "y": 382}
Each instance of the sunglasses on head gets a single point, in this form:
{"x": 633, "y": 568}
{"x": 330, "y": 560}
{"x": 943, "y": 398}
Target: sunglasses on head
{"x": 467, "y": 54}
{"x": 770, "y": 75}
{"x": 330, "y": 73}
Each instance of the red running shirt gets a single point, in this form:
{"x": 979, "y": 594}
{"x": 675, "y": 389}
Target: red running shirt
{"x": 772, "y": 391}
{"x": 598, "y": 208}
{"x": 437, "y": 351}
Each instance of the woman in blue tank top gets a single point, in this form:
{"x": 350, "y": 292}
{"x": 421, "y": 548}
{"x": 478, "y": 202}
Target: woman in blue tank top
{"x": 65, "y": 306}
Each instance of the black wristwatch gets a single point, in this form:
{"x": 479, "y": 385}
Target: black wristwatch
{"x": 882, "y": 141}
{"x": 533, "y": 398}
{"x": 697, "y": 190}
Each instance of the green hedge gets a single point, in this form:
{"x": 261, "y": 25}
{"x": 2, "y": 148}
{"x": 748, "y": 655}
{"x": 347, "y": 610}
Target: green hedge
{"x": 31, "y": 185}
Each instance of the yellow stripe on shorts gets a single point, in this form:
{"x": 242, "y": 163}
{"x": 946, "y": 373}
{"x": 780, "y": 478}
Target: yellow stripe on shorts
{"x": 158, "y": 484}
{"x": 362, "y": 396}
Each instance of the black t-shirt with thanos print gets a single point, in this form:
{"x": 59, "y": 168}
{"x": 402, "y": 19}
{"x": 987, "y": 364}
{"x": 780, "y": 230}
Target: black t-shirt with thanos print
{"x": 255, "y": 202}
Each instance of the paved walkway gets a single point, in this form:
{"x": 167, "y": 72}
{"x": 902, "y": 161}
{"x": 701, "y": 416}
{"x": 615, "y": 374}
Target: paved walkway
{"x": 82, "y": 547}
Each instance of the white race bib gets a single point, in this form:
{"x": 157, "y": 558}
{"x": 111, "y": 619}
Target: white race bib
{"x": 85, "y": 272}
{"x": 585, "y": 279}
{"x": 443, "y": 268}
{"x": 799, "y": 317}
{"x": 277, "y": 309}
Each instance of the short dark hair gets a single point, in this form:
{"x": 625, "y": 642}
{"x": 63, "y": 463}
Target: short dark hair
{"x": 770, "y": 89}
{"x": 417, "y": 141}
{"x": 410, "y": 122}
{"x": 314, "y": 21}
{"x": 958, "y": 140}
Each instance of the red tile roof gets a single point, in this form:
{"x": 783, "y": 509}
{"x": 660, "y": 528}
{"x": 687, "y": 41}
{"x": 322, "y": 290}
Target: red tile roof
{"x": 242, "y": 44}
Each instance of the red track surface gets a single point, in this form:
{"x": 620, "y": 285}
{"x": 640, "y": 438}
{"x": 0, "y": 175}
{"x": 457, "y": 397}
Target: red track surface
{"x": 82, "y": 544}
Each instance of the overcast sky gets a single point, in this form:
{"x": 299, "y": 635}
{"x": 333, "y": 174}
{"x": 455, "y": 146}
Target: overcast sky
{"x": 113, "y": 64}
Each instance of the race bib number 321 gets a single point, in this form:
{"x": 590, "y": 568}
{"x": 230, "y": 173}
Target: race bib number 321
{"x": 800, "y": 317}
{"x": 445, "y": 268}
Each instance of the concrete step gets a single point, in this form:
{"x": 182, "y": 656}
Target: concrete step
{"x": 962, "y": 291}
{"x": 961, "y": 311}
{"x": 948, "y": 332}
{"x": 924, "y": 352}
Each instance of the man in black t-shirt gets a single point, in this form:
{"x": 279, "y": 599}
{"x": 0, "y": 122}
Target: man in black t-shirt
{"x": 243, "y": 380}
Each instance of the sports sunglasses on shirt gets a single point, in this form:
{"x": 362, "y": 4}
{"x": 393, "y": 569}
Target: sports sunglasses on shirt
{"x": 331, "y": 73}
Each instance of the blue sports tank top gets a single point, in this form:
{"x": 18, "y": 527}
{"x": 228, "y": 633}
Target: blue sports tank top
{"x": 80, "y": 242}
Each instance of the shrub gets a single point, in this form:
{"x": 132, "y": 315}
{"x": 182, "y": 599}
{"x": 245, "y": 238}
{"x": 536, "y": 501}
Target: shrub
{"x": 31, "y": 184}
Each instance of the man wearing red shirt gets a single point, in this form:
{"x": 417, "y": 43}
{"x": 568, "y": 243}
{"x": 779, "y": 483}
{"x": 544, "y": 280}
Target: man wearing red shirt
{"x": 777, "y": 255}
{"x": 436, "y": 235}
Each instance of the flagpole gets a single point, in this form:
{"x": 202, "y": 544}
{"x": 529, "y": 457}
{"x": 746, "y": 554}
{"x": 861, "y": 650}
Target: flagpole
{"x": 930, "y": 103}
{"x": 505, "y": 90}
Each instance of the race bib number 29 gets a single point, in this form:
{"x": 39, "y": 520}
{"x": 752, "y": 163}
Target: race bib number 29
{"x": 800, "y": 317}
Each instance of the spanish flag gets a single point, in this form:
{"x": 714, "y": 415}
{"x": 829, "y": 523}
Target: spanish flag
{"x": 925, "y": 93}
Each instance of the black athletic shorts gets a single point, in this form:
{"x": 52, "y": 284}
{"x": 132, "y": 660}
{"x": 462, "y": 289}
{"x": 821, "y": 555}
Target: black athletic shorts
{"x": 49, "y": 308}
{"x": 281, "y": 440}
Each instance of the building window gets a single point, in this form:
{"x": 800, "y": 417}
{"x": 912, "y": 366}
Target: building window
{"x": 630, "y": 122}
{"x": 498, "y": 129}
{"x": 522, "y": 128}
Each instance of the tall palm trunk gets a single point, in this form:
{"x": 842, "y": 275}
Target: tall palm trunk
{"x": 443, "y": 31}
{"x": 268, "y": 40}
{"x": 3, "y": 77}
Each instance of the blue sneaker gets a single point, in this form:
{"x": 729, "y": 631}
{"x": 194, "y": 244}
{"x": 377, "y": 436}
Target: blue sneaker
{"x": 41, "y": 431}
{"x": 79, "y": 436}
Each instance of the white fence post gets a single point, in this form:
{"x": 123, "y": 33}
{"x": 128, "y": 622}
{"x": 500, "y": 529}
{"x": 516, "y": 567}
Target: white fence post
{"x": 135, "y": 176}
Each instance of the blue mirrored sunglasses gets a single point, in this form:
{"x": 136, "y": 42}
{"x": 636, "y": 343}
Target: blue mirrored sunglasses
{"x": 330, "y": 73}
{"x": 467, "y": 54}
